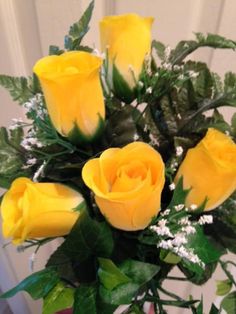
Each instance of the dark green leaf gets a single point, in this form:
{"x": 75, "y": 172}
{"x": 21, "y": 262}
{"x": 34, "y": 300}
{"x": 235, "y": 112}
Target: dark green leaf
{"x": 37, "y": 285}
{"x": 225, "y": 221}
{"x": 59, "y": 298}
{"x": 215, "y": 41}
{"x": 110, "y": 275}
{"x": 79, "y": 29}
{"x": 11, "y": 157}
{"x": 135, "y": 309}
{"x": 169, "y": 117}
{"x": 17, "y": 87}
{"x": 179, "y": 195}
{"x": 122, "y": 294}
{"x": 159, "y": 48}
{"x": 88, "y": 237}
{"x": 184, "y": 48}
{"x": 202, "y": 246}
{"x": 233, "y": 124}
{"x": 230, "y": 82}
{"x": 229, "y": 303}
{"x": 214, "y": 310}
{"x": 138, "y": 271}
{"x": 55, "y": 50}
{"x": 121, "y": 129}
{"x": 85, "y": 300}
{"x": 199, "y": 309}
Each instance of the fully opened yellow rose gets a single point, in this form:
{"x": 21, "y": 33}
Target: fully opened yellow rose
{"x": 127, "y": 183}
{"x": 210, "y": 170}
{"x": 35, "y": 210}
{"x": 73, "y": 93}
{"x": 127, "y": 39}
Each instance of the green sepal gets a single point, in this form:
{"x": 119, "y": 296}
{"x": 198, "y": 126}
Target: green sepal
{"x": 120, "y": 87}
{"x": 76, "y": 136}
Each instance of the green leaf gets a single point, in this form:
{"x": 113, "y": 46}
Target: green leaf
{"x": 11, "y": 157}
{"x": 233, "y": 124}
{"x": 217, "y": 121}
{"x": 120, "y": 129}
{"x": 179, "y": 195}
{"x": 59, "y": 298}
{"x": 229, "y": 303}
{"x": 169, "y": 118}
{"x": 199, "y": 309}
{"x": 184, "y": 48}
{"x": 214, "y": 310}
{"x": 55, "y": 50}
{"x": 88, "y": 238}
{"x": 18, "y": 87}
{"x": 159, "y": 48}
{"x": 85, "y": 299}
{"x": 122, "y": 294}
{"x": 109, "y": 274}
{"x": 203, "y": 247}
{"x": 79, "y": 29}
{"x": 225, "y": 221}
{"x": 230, "y": 82}
{"x": 169, "y": 257}
{"x": 215, "y": 41}
{"x": 135, "y": 309}
{"x": 37, "y": 285}
{"x": 139, "y": 272}
{"x": 223, "y": 286}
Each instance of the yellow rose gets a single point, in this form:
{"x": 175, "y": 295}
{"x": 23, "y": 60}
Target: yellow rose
{"x": 127, "y": 183}
{"x": 35, "y": 210}
{"x": 127, "y": 38}
{"x": 73, "y": 93}
{"x": 210, "y": 170}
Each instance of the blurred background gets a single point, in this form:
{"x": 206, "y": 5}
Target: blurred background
{"x": 28, "y": 27}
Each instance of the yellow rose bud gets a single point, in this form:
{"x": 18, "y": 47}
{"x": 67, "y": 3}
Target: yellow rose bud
{"x": 127, "y": 39}
{"x": 127, "y": 183}
{"x": 73, "y": 93}
{"x": 38, "y": 210}
{"x": 210, "y": 170}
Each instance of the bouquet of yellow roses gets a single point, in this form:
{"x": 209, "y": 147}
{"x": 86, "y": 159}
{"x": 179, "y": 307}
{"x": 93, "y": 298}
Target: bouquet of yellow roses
{"x": 118, "y": 158}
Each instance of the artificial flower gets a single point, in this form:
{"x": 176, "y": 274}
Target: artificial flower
{"x": 127, "y": 40}
{"x": 73, "y": 93}
{"x": 209, "y": 169}
{"x": 127, "y": 183}
{"x": 38, "y": 210}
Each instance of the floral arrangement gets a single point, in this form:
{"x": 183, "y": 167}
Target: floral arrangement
{"x": 118, "y": 157}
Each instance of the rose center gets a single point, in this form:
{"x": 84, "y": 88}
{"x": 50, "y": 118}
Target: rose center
{"x": 129, "y": 176}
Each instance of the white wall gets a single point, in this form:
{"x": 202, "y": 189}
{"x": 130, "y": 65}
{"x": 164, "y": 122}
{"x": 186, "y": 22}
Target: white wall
{"x": 27, "y": 27}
